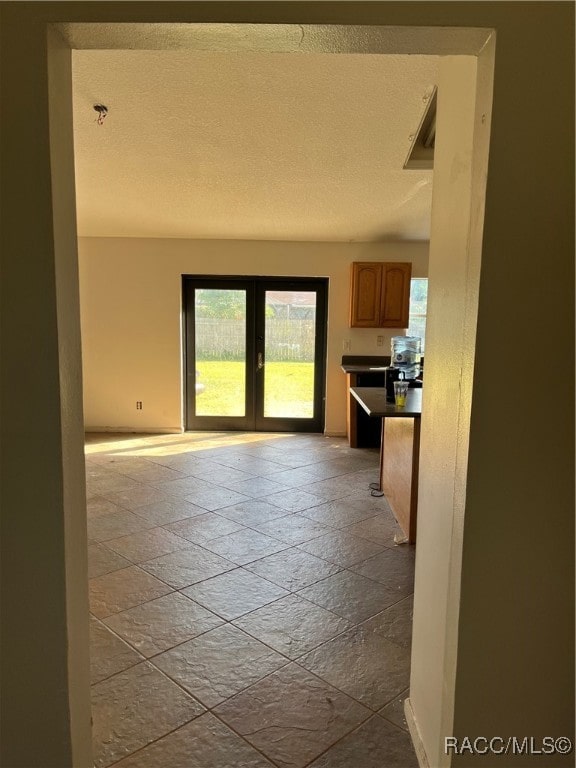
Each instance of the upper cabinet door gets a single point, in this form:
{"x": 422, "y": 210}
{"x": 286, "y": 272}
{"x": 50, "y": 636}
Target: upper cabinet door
{"x": 366, "y": 290}
{"x": 395, "y": 301}
{"x": 380, "y": 294}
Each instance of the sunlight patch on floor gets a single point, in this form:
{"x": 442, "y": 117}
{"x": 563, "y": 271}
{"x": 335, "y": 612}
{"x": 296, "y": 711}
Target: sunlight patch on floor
{"x": 169, "y": 445}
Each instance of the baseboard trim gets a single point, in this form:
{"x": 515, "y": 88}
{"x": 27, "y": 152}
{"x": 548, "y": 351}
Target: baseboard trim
{"x": 330, "y": 433}
{"x": 415, "y": 734}
{"x": 136, "y": 430}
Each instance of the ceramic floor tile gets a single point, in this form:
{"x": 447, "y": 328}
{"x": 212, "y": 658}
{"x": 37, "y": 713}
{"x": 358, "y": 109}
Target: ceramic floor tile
{"x": 362, "y": 664}
{"x": 253, "y": 512}
{"x": 126, "y": 463}
{"x": 324, "y": 470}
{"x": 111, "y": 482}
{"x": 262, "y": 449}
{"x": 97, "y": 506}
{"x": 356, "y": 461}
{"x": 293, "y": 569}
{"x": 256, "y": 487}
{"x": 106, "y": 527}
{"x": 120, "y": 590}
{"x": 292, "y": 626}
{"x": 245, "y": 546}
{"x": 394, "y": 623}
{"x": 317, "y": 505}
{"x": 204, "y": 527}
{"x": 219, "y": 474}
{"x": 260, "y": 467}
{"x": 160, "y": 624}
{"x": 293, "y": 459}
{"x": 108, "y": 653}
{"x": 294, "y": 500}
{"x": 137, "y": 497}
{"x": 148, "y": 544}
{"x": 328, "y": 490}
{"x": 394, "y": 710}
{"x": 374, "y": 744}
{"x": 216, "y": 497}
{"x": 343, "y": 512}
{"x": 187, "y": 566}
{"x": 95, "y": 471}
{"x": 204, "y": 743}
{"x": 294, "y": 478}
{"x": 235, "y": 593}
{"x": 162, "y": 512}
{"x": 341, "y": 548}
{"x": 183, "y": 462}
{"x": 292, "y": 716}
{"x": 152, "y": 473}
{"x": 359, "y": 477}
{"x": 102, "y": 560}
{"x": 183, "y": 487}
{"x": 108, "y": 460}
{"x": 133, "y": 708}
{"x": 393, "y": 568}
{"x": 381, "y": 529}
{"x": 219, "y": 663}
{"x": 293, "y": 529}
{"x": 350, "y": 595}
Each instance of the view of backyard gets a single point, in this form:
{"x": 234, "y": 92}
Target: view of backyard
{"x": 287, "y": 355}
{"x": 287, "y": 388}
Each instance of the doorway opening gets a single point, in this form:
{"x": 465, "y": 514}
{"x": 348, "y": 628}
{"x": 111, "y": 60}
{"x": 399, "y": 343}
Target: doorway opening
{"x": 76, "y": 419}
{"x": 255, "y": 353}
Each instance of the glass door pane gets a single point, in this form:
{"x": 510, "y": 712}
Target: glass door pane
{"x": 289, "y": 353}
{"x": 220, "y": 352}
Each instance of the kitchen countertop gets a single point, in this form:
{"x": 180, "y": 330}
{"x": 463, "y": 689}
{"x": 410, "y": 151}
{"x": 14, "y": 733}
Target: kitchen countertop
{"x": 373, "y": 401}
{"x": 363, "y": 368}
{"x": 368, "y": 363}
{"x": 365, "y": 363}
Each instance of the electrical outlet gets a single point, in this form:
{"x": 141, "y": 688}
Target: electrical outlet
{"x": 346, "y": 345}
{"x": 379, "y": 341}
{"x": 138, "y": 405}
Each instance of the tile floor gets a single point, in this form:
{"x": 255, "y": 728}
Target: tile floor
{"x": 249, "y": 605}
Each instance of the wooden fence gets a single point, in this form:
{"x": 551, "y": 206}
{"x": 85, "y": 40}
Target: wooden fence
{"x": 290, "y": 340}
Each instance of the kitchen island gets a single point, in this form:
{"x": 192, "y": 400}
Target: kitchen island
{"x": 364, "y": 371}
{"x": 399, "y": 451}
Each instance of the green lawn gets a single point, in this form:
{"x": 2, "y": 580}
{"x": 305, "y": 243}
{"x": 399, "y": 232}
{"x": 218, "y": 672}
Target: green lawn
{"x": 288, "y": 389}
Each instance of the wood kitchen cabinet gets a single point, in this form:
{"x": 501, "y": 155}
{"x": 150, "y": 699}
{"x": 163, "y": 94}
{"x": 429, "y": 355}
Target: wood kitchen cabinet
{"x": 380, "y": 294}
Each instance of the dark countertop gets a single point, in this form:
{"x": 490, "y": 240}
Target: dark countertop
{"x": 373, "y": 401}
{"x": 364, "y": 363}
{"x": 368, "y": 363}
{"x": 363, "y": 368}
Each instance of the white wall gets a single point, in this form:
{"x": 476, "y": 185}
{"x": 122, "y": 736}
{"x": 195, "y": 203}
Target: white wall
{"x": 131, "y": 296}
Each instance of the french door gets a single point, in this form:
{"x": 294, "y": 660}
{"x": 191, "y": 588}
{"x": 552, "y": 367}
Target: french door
{"x": 255, "y": 351}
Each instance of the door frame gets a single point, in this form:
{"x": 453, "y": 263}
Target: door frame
{"x": 70, "y": 550}
{"x": 253, "y": 420}
{"x": 227, "y": 423}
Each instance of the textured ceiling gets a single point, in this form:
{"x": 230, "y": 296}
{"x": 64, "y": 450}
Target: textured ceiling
{"x": 277, "y": 146}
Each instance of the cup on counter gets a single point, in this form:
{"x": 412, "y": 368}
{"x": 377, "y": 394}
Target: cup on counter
{"x": 400, "y": 392}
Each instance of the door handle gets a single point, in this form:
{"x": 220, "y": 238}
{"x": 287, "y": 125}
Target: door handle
{"x": 260, "y": 361}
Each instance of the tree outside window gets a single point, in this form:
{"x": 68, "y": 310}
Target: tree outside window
{"x": 417, "y": 313}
